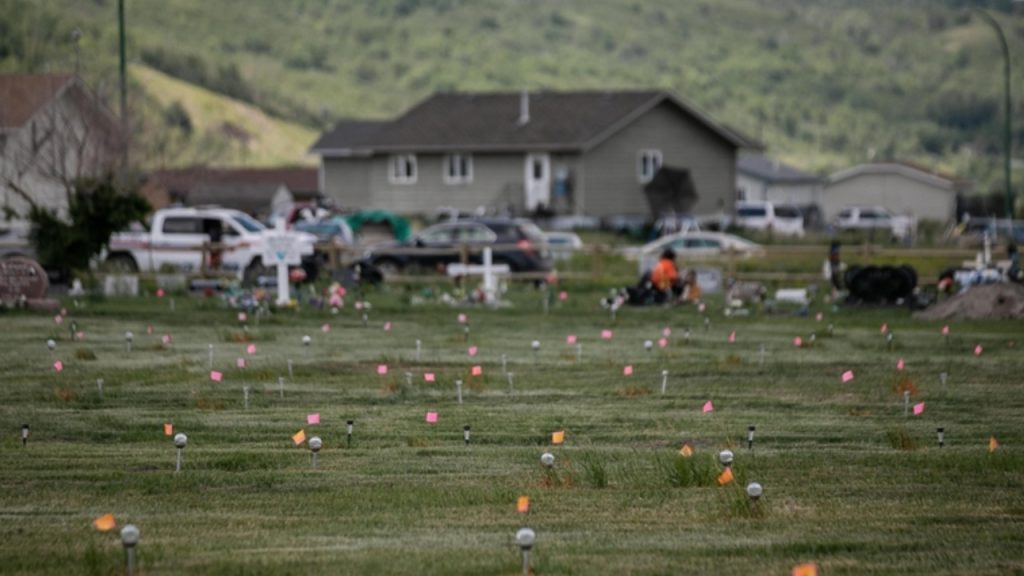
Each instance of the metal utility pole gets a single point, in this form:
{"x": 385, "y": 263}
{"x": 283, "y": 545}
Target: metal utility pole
{"x": 1008, "y": 120}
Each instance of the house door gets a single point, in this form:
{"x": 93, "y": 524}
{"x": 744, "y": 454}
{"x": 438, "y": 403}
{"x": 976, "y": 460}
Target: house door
{"x": 538, "y": 181}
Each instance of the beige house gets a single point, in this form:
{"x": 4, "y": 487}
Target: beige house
{"x": 579, "y": 153}
{"x": 900, "y": 187}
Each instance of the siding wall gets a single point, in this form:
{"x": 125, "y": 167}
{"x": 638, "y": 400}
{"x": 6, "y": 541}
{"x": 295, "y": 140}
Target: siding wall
{"x": 899, "y": 194}
{"x": 347, "y": 181}
{"x": 610, "y": 169}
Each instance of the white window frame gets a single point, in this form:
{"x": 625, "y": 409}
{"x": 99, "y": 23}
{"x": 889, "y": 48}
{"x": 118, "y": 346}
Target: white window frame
{"x": 457, "y": 158}
{"x": 399, "y": 168}
{"x": 653, "y": 156}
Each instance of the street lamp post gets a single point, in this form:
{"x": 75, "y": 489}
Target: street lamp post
{"x": 1008, "y": 120}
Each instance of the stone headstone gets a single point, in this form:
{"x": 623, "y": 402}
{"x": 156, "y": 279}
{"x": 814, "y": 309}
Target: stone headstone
{"x": 121, "y": 285}
{"x": 20, "y": 276}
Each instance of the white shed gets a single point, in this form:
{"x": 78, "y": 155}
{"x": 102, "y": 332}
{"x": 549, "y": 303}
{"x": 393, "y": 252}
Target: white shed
{"x": 901, "y": 188}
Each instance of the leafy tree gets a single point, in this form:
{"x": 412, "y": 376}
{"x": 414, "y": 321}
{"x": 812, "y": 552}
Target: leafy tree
{"x": 98, "y": 208}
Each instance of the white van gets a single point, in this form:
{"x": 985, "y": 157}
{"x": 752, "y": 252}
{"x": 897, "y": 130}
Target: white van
{"x": 781, "y": 219}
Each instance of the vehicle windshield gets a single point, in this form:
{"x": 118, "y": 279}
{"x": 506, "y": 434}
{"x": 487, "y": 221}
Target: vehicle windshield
{"x": 248, "y": 223}
{"x": 787, "y": 212}
{"x": 531, "y": 231}
{"x": 751, "y": 212}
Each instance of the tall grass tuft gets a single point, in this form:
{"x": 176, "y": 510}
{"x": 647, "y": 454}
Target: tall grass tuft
{"x": 697, "y": 470}
{"x": 900, "y": 439}
{"x": 595, "y": 472}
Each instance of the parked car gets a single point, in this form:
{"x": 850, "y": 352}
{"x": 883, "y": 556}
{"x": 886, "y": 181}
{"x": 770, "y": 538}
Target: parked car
{"x": 693, "y": 246}
{"x": 14, "y": 240}
{"x": 517, "y": 243}
{"x": 875, "y": 218}
{"x": 972, "y": 232}
{"x": 781, "y": 219}
{"x": 176, "y": 236}
{"x": 562, "y": 244}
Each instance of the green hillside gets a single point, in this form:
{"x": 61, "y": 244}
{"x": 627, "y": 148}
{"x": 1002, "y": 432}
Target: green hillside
{"x": 824, "y": 83}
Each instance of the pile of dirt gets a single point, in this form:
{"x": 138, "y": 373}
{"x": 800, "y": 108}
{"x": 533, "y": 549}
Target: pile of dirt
{"x": 980, "y": 303}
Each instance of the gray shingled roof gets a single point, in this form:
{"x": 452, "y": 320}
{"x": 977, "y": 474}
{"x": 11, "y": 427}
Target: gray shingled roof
{"x": 490, "y": 122}
{"x": 764, "y": 168}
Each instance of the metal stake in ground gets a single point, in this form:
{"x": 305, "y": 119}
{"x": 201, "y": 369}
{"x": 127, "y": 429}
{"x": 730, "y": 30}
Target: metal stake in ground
{"x": 525, "y": 537}
{"x": 290, "y": 373}
{"x": 280, "y": 385}
{"x": 315, "y": 443}
{"x": 579, "y": 353}
{"x": 24, "y": 435}
{"x": 906, "y": 402}
{"x": 942, "y": 436}
{"x": 245, "y": 395}
{"x": 509, "y": 375}
{"x": 504, "y": 363}
{"x": 128, "y": 339}
{"x": 760, "y": 359}
{"x": 348, "y": 431}
{"x": 750, "y": 436}
{"x": 99, "y": 387}
{"x": 664, "y": 381}
{"x": 465, "y": 434}
{"x": 458, "y": 390}
{"x": 180, "y": 441}
{"x": 129, "y": 538}
{"x": 210, "y": 349}
{"x": 419, "y": 350}
{"x": 408, "y": 378}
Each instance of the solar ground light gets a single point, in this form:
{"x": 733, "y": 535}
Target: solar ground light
{"x": 648, "y": 345}
{"x": 725, "y": 458}
{"x": 942, "y": 436}
{"x": 525, "y": 537}
{"x": 129, "y": 537}
{"x": 348, "y": 430}
{"x": 24, "y": 434}
{"x": 750, "y": 437}
{"x": 128, "y": 339}
{"x": 465, "y": 434}
{"x": 315, "y": 444}
{"x": 180, "y": 441}
{"x": 754, "y": 491}
{"x": 305, "y": 343}
{"x": 536, "y": 349}
{"x": 51, "y": 345}
{"x": 547, "y": 459}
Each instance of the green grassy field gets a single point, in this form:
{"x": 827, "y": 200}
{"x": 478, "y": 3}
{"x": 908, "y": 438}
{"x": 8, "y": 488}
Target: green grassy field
{"x": 850, "y": 482}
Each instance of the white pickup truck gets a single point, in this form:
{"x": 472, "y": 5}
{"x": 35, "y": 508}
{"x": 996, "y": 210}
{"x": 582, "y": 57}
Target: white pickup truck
{"x": 176, "y": 237}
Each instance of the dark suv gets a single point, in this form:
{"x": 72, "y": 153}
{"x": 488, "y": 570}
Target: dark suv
{"x": 518, "y": 243}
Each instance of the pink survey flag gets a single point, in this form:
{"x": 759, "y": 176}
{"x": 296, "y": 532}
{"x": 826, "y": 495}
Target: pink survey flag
{"x": 945, "y": 330}
{"x": 819, "y": 317}
{"x": 216, "y": 376}
{"x": 431, "y": 417}
{"x": 883, "y": 329}
{"x": 732, "y": 337}
{"x": 900, "y": 365}
{"x": 848, "y": 376}
{"x": 160, "y": 292}
{"x": 978, "y": 350}
{"x": 918, "y": 408}
{"x": 325, "y": 328}
{"x": 472, "y": 351}
{"x": 627, "y": 371}
{"x": 58, "y": 366}
{"x": 666, "y": 332}
{"x": 798, "y": 341}
{"x": 250, "y": 349}
{"x": 149, "y": 329}
{"x": 382, "y": 369}
{"x": 58, "y": 319}
{"x": 570, "y": 339}
{"x": 477, "y": 370}
{"x": 462, "y": 319}
{"x": 708, "y": 407}
{"x": 240, "y": 362}
{"x": 166, "y": 338}
{"x": 563, "y": 295}
{"x": 606, "y": 334}
{"x": 313, "y": 418}
{"x": 701, "y": 308}
{"x": 387, "y": 326}
{"x": 662, "y": 342}
{"x": 428, "y": 377}
{"x": 243, "y": 317}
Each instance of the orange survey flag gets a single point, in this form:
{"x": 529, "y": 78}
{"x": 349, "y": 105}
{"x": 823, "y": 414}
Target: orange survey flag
{"x": 523, "y": 504}
{"x": 105, "y": 523}
{"x": 299, "y": 437}
{"x": 558, "y": 437}
{"x": 809, "y": 569}
{"x": 686, "y": 451}
{"x": 725, "y": 477}
{"x": 168, "y": 429}
{"x": 993, "y": 444}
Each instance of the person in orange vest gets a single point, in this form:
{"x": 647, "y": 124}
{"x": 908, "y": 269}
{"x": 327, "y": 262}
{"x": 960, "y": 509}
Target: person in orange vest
{"x": 665, "y": 276}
